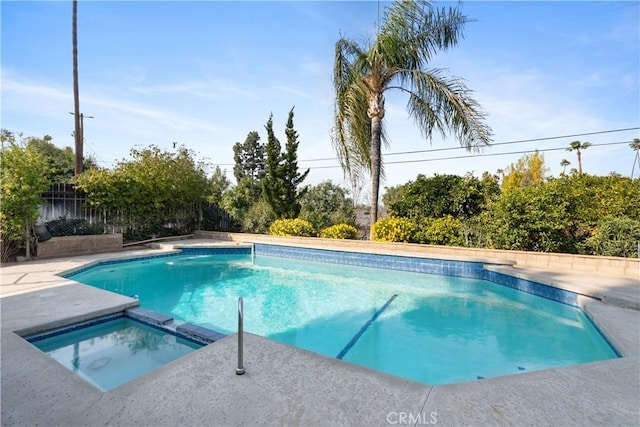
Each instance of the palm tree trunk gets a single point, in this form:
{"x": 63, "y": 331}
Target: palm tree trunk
{"x": 77, "y": 133}
{"x": 376, "y": 130}
{"x": 579, "y": 162}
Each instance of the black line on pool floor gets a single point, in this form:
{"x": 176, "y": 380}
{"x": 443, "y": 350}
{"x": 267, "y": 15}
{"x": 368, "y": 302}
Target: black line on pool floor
{"x": 357, "y": 336}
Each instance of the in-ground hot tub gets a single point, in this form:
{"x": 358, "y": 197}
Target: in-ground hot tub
{"x": 112, "y": 350}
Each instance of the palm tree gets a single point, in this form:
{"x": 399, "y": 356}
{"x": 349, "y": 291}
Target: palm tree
{"x": 77, "y": 133}
{"x": 577, "y": 146}
{"x": 411, "y": 34}
{"x": 635, "y": 145}
{"x": 564, "y": 163}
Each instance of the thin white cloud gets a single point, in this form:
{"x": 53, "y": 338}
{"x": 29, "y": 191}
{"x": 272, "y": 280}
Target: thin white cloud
{"x": 161, "y": 118}
{"x": 27, "y": 95}
{"x": 9, "y": 85}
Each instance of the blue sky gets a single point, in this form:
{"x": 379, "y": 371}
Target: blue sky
{"x": 206, "y": 73}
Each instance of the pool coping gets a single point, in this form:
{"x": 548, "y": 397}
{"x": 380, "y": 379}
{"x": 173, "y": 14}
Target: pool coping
{"x": 286, "y": 385}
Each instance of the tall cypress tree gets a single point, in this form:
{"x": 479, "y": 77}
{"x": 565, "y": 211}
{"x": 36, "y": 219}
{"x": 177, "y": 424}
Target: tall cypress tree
{"x": 271, "y": 184}
{"x": 280, "y": 185}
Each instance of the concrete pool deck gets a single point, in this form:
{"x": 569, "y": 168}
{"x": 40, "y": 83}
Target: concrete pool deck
{"x": 289, "y": 386}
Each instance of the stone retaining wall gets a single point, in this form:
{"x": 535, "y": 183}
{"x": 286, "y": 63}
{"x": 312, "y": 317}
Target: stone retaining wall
{"x": 67, "y": 246}
{"x": 587, "y": 264}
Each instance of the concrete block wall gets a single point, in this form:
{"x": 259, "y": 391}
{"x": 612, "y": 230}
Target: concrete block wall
{"x": 66, "y": 246}
{"x": 587, "y": 264}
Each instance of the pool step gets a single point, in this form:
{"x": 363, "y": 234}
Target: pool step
{"x": 195, "y": 332}
{"x": 199, "y": 333}
{"x": 149, "y": 316}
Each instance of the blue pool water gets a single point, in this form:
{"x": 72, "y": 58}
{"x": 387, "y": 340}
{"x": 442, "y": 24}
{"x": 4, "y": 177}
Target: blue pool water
{"x": 429, "y": 328}
{"x": 110, "y": 353}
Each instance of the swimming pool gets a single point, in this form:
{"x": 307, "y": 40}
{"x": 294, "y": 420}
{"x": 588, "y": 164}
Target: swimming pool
{"x": 430, "y": 328}
{"x": 111, "y": 351}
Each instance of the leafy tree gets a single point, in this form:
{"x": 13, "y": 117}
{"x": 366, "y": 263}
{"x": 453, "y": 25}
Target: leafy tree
{"x": 489, "y": 188}
{"x": 238, "y": 200}
{"x": 577, "y": 146}
{"x": 249, "y": 171}
{"x": 327, "y": 204}
{"x": 392, "y": 195}
{"x": 442, "y": 195}
{"x": 219, "y": 184}
{"x": 249, "y": 158}
{"x": 280, "y": 184}
{"x": 60, "y": 160}
{"x": 597, "y": 197}
{"x": 412, "y": 33}
{"x": 529, "y": 170}
{"x": 155, "y": 190}
{"x": 559, "y": 215}
{"x": 564, "y": 163}
{"x": 531, "y": 219}
{"x": 23, "y": 178}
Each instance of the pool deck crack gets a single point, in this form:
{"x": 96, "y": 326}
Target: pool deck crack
{"x": 423, "y": 407}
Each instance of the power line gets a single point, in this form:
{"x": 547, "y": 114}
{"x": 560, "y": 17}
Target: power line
{"x": 432, "y": 150}
{"x": 466, "y": 156}
{"x": 517, "y": 141}
{"x": 520, "y": 141}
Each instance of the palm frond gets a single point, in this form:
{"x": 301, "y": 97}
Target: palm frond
{"x": 414, "y": 32}
{"x": 352, "y": 132}
{"x": 444, "y": 103}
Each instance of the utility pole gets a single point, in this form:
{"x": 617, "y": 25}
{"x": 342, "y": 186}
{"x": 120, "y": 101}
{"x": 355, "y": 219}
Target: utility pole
{"x": 79, "y": 138}
{"x": 77, "y": 133}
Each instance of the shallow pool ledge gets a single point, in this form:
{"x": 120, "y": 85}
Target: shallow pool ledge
{"x": 614, "y": 290}
{"x": 618, "y": 325}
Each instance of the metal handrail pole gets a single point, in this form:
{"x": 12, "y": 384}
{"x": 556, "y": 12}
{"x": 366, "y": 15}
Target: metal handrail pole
{"x": 240, "y": 368}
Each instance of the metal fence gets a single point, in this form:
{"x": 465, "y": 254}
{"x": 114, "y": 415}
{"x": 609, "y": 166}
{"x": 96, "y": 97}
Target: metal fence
{"x": 64, "y": 203}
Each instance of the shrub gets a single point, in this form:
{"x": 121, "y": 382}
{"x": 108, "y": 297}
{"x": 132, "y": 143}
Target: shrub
{"x": 258, "y": 218}
{"x": 393, "y": 229}
{"x": 532, "y": 219}
{"x": 23, "y": 179}
{"x": 615, "y": 237}
{"x": 292, "y": 227}
{"x": 340, "y": 231}
{"x": 440, "y": 231}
